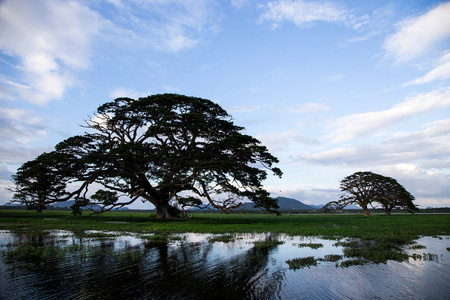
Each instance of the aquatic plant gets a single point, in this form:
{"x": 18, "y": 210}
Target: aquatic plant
{"x": 226, "y": 238}
{"x": 375, "y": 255}
{"x": 310, "y": 245}
{"x": 331, "y": 258}
{"x": 351, "y": 262}
{"x": 267, "y": 244}
{"x": 417, "y": 247}
{"x": 156, "y": 239}
{"x": 300, "y": 263}
{"x": 425, "y": 256}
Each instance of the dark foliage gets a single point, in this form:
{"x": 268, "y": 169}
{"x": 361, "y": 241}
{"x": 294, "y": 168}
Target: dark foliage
{"x": 367, "y": 188}
{"x": 171, "y": 150}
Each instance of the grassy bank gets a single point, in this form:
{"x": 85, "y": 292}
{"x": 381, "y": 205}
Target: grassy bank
{"x": 373, "y": 227}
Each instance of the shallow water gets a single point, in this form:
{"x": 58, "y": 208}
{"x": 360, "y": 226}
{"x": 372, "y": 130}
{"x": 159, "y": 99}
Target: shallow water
{"x": 193, "y": 267}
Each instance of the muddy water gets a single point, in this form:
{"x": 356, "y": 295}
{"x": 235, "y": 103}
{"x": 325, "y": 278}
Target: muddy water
{"x": 64, "y": 265}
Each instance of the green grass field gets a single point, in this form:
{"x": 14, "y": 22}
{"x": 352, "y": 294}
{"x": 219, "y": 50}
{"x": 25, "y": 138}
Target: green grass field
{"x": 378, "y": 227}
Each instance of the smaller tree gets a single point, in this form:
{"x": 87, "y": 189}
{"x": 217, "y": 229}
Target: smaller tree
{"x": 392, "y": 194}
{"x": 367, "y": 188}
{"x": 37, "y": 183}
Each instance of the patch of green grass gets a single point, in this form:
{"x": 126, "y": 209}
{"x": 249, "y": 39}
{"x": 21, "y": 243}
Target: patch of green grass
{"x": 376, "y": 256}
{"x": 226, "y": 238}
{"x": 157, "y": 239}
{"x": 331, "y": 258}
{"x": 300, "y": 263}
{"x": 351, "y": 262}
{"x": 30, "y": 252}
{"x": 310, "y": 245}
{"x": 425, "y": 256}
{"x": 267, "y": 244}
{"x": 417, "y": 247}
{"x": 376, "y": 251}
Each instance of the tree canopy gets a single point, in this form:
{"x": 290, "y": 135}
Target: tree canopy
{"x": 171, "y": 150}
{"x": 367, "y": 188}
{"x": 38, "y": 183}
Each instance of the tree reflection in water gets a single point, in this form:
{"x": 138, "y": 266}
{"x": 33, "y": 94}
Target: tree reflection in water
{"x": 79, "y": 267}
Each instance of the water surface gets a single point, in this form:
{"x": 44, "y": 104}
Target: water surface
{"x": 64, "y": 265}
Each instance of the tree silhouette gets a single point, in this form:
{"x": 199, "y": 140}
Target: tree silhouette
{"x": 171, "y": 150}
{"x": 364, "y": 188}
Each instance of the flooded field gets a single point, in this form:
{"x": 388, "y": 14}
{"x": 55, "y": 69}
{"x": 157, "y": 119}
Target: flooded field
{"x": 104, "y": 265}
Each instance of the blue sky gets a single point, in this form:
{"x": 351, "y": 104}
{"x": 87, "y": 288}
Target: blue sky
{"x": 330, "y": 87}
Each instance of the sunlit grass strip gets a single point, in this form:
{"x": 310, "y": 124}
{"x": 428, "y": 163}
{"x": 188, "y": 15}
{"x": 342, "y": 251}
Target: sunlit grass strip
{"x": 377, "y": 227}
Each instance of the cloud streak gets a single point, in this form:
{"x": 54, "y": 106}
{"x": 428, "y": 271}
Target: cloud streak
{"x": 167, "y": 26}
{"x": 302, "y": 13}
{"x": 419, "y": 35}
{"x": 440, "y": 72}
{"x": 20, "y": 126}
{"x": 428, "y": 147}
{"x": 360, "y": 124}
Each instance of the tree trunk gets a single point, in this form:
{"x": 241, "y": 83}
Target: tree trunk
{"x": 39, "y": 208}
{"x": 388, "y": 211}
{"x": 366, "y": 211}
{"x": 165, "y": 211}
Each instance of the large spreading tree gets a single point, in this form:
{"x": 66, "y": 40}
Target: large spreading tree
{"x": 367, "y": 188}
{"x": 171, "y": 150}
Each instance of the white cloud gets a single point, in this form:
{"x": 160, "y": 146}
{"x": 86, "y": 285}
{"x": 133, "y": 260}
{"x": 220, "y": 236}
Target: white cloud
{"x": 306, "y": 107}
{"x": 440, "y": 72}
{"x": 249, "y": 108}
{"x": 335, "y": 77}
{"x": 282, "y": 141}
{"x": 427, "y": 148}
{"x": 302, "y": 13}
{"x": 168, "y": 26}
{"x": 239, "y": 3}
{"x": 51, "y": 38}
{"x": 20, "y": 126}
{"x": 361, "y": 124}
{"x": 417, "y": 36}
{"x": 170, "y": 89}
{"x": 424, "y": 185}
{"x": 18, "y": 154}
{"x": 419, "y": 160}
{"x": 127, "y": 93}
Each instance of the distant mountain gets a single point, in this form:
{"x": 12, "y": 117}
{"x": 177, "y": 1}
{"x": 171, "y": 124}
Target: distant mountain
{"x": 289, "y": 203}
{"x": 320, "y": 206}
{"x": 284, "y": 203}
{"x": 67, "y": 204}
